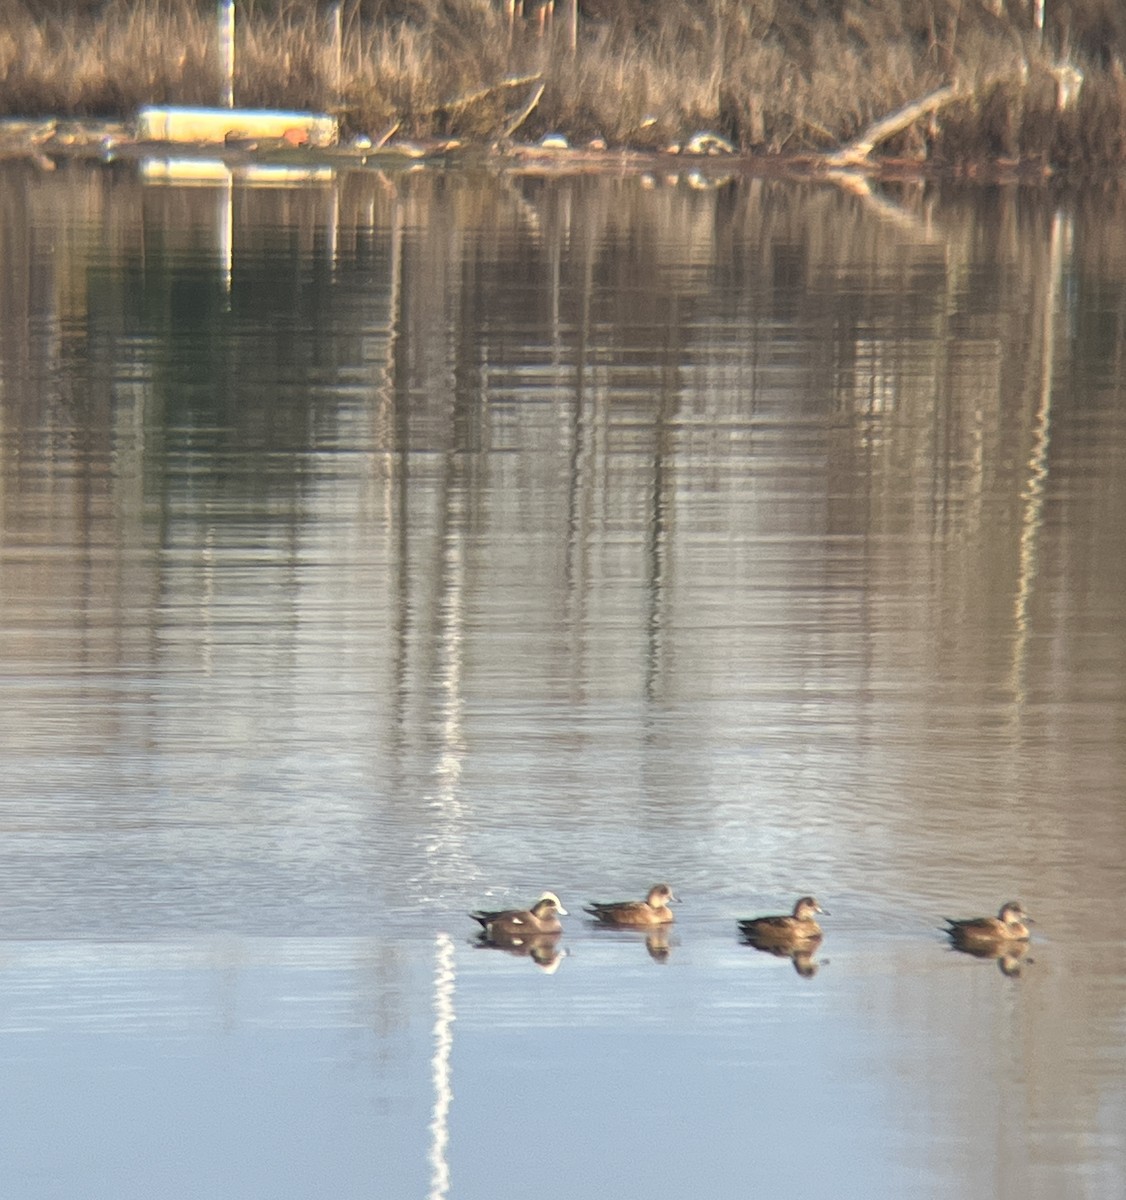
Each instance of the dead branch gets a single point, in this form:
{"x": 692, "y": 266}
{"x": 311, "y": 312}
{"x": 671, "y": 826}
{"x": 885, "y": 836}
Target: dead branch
{"x": 854, "y": 153}
{"x": 381, "y": 141}
{"x": 485, "y": 92}
{"x": 525, "y": 112}
{"x": 460, "y": 102}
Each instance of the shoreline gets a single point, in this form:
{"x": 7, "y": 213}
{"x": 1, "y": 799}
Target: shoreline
{"x": 48, "y": 141}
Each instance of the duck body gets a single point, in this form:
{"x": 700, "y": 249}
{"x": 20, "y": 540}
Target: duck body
{"x": 798, "y": 927}
{"x": 636, "y": 914}
{"x": 985, "y": 933}
{"x": 522, "y": 923}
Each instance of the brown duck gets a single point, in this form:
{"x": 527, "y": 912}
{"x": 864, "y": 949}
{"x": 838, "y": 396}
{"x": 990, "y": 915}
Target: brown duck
{"x": 800, "y": 926}
{"x": 653, "y": 910}
{"x": 508, "y": 923}
{"x": 985, "y": 933}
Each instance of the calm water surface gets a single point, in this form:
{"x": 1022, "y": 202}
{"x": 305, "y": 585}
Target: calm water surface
{"x": 375, "y": 550}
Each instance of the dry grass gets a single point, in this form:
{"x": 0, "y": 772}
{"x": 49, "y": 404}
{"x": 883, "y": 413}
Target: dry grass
{"x": 771, "y": 75}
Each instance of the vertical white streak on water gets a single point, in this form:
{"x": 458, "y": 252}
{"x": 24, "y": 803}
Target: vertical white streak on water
{"x": 444, "y": 978}
{"x": 1032, "y": 495}
{"x": 227, "y": 232}
{"x": 332, "y": 232}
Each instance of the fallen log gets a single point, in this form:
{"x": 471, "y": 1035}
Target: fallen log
{"x": 525, "y": 112}
{"x": 471, "y": 98}
{"x": 856, "y": 152}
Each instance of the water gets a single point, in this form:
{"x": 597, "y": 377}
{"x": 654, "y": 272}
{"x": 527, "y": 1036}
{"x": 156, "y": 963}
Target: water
{"x": 378, "y": 550}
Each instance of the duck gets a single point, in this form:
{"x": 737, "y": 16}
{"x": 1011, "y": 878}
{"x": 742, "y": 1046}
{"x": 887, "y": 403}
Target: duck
{"x": 800, "y": 926}
{"x": 984, "y": 933}
{"x": 653, "y": 910}
{"x": 508, "y": 923}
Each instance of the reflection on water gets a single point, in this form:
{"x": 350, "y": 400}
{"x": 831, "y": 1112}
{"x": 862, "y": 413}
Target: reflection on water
{"x": 373, "y": 549}
{"x": 445, "y": 976}
{"x": 544, "y": 949}
{"x": 658, "y": 943}
{"x": 803, "y": 956}
{"x": 1010, "y": 957}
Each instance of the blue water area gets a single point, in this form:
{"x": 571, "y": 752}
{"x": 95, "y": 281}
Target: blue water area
{"x": 381, "y": 549}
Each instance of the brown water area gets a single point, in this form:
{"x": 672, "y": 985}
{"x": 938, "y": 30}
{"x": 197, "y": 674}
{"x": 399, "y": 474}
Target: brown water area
{"x": 384, "y": 548}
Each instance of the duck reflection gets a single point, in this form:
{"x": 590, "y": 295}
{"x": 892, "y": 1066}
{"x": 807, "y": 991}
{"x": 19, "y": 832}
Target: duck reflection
{"x": 542, "y": 948}
{"x": 659, "y": 944}
{"x": 1010, "y": 957}
{"x": 803, "y": 954}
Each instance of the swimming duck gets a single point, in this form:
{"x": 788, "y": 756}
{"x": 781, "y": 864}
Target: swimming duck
{"x": 800, "y": 926}
{"x": 973, "y": 933}
{"x": 542, "y": 917}
{"x": 653, "y": 910}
